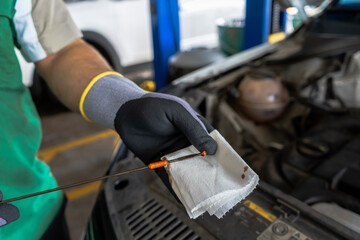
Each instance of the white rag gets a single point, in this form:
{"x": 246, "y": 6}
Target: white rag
{"x": 212, "y": 184}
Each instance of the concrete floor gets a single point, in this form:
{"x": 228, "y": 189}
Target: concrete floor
{"x": 75, "y": 150}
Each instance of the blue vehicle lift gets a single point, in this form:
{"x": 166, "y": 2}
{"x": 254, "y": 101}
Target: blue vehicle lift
{"x": 166, "y": 36}
{"x": 257, "y": 22}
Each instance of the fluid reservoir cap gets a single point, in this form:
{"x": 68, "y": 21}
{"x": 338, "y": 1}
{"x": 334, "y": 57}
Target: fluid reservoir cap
{"x": 262, "y": 96}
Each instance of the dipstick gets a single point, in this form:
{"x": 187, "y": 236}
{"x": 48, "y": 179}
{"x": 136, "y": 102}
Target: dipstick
{"x": 203, "y": 153}
{"x": 164, "y": 162}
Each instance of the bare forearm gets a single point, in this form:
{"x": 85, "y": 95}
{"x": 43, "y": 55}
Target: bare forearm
{"x": 70, "y": 70}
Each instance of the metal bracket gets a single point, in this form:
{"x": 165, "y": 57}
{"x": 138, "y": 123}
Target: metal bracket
{"x": 288, "y": 212}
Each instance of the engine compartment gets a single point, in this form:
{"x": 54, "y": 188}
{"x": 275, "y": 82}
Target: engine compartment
{"x": 305, "y": 150}
{"x": 311, "y": 149}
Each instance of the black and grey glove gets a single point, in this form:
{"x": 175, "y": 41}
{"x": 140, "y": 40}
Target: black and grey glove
{"x": 150, "y": 124}
{"x": 8, "y": 213}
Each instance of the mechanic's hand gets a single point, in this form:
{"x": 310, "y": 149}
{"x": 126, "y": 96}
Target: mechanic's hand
{"x": 8, "y": 213}
{"x": 150, "y": 124}
{"x": 158, "y": 124}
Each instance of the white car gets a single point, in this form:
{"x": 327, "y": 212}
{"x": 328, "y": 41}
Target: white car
{"x": 121, "y": 29}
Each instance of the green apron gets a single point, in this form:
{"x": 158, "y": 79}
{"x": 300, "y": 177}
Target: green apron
{"x": 20, "y": 135}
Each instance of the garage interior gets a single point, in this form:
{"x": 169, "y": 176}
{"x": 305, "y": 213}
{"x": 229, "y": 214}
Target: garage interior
{"x": 283, "y": 90}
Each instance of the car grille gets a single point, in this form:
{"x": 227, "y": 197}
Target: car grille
{"x": 153, "y": 221}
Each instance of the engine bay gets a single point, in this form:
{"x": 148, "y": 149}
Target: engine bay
{"x": 296, "y": 122}
{"x": 291, "y": 111}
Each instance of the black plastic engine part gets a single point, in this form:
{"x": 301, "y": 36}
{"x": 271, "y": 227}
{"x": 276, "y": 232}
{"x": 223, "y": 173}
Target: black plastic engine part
{"x": 324, "y": 165}
{"x": 144, "y": 209}
{"x": 349, "y": 181}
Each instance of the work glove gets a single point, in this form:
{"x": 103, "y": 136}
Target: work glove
{"x": 150, "y": 124}
{"x": 8, "y": 213}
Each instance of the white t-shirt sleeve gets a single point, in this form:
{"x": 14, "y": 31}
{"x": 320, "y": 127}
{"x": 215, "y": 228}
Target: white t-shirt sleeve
{"x": 43, "y": 27}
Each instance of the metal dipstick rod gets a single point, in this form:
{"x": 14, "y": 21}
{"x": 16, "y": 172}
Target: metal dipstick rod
{"x": 164, "y": 162}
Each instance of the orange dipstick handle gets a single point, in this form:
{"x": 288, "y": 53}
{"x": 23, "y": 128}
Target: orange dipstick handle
{"x": 158, "y": 164}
